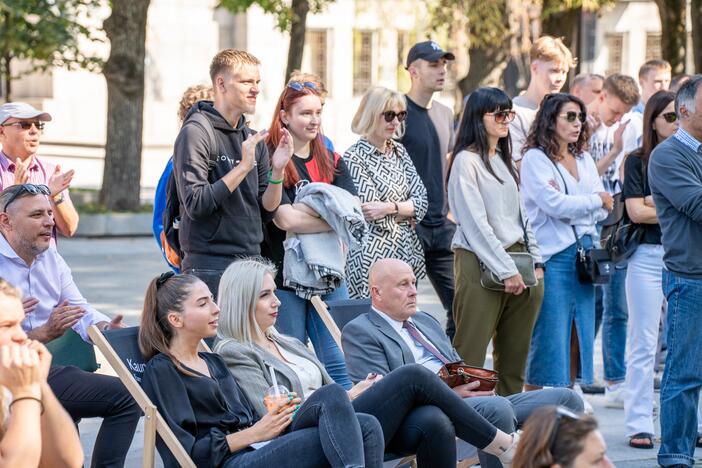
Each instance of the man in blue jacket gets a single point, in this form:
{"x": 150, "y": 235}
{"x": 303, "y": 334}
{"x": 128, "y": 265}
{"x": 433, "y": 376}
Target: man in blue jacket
{"x": 675, "y": 176}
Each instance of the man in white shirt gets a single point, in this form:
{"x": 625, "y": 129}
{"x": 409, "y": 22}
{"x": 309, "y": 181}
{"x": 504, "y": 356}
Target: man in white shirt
{"x": 394, "y": 333}
{"x": 550, "y": 62}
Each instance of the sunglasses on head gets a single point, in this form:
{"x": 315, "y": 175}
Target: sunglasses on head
{"x": 389, "y": 116}
{"x": 561, "y": 413}
{"x": 572, "y": 116}
{"x": 670, "y": 117}
{"x": 300, "y": 85}
{"x": 504, "y": 116}
{"x": 19, "y": 190}
{"x": 26, "y": 124}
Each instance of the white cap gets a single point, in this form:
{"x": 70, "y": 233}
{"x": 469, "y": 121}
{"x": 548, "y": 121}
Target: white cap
{"x": 21, "y": 110}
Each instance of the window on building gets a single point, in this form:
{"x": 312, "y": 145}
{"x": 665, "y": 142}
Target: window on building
{"x": 653, "y": 46}
{"x": 317, "y": 42}
{"x": 615, "y": 48}
{"x": 362, "y": 61}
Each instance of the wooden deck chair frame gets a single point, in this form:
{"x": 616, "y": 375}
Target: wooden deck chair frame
{"x": 323, "y": 310}
{"x": 153, "y": 421}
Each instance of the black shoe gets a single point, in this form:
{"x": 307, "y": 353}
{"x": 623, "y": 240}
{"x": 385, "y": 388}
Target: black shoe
{"x": 593, "y": 389}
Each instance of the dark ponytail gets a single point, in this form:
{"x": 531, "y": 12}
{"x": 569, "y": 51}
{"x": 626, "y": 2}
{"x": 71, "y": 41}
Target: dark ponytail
{"x": 165, "y": 294}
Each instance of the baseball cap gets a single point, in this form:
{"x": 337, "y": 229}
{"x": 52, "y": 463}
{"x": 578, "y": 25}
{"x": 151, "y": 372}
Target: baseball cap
{"x": 429, "y": 51}
{"x": 21, "y": 110}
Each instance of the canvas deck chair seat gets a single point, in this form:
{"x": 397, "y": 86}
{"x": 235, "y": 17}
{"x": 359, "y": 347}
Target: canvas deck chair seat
{"x": 335, "y": 315}
{"x": 72, "y": 350}
{"x": 121, "y": 349}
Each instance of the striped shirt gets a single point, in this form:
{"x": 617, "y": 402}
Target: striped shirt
{"x": 688, "y": 140}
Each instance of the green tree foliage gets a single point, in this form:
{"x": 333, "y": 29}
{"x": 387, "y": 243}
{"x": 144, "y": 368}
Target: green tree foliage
{"x": 44, "y": 33}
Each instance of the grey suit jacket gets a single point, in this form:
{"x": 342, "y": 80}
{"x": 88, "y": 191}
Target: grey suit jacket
{"x": 371, "y": 345}
{"x": 249, "y": 366}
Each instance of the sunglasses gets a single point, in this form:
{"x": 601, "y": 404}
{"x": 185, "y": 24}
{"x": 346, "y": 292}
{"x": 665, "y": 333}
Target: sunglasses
{"x": 300, "y": 85}
{"x": 389, "y": 116}
{"x": 505, "y": 116}
{"x": 19, "y": 190}
{"x": 670, "y": 117}
{"x": 561, "y": 413}
{"x": 572, "y": 116}
{"x": 27, "y": 124}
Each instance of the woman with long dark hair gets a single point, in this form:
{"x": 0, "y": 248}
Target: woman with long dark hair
{"x": 483, "y": 194}
{"x": 564, "y": 198}
{"x": 644, "y": 291}
{"x": 213, "y": 419}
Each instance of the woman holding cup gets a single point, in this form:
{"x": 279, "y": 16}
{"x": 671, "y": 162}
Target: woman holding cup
{"x": 213, "y": 419}
{"x": 419, "y": 414}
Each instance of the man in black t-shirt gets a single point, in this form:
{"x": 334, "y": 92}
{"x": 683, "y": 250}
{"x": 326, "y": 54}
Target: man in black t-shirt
{"x": 428, "y": 138}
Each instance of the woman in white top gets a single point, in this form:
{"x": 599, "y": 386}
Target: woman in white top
{"x": 35, "y": 430}
{"x": 564, "y": 198}
{"x": 483, "y": 194}
{"x": 417, "y": 412}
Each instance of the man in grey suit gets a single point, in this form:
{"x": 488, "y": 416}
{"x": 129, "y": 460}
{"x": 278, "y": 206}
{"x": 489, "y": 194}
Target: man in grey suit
{"x": 393, "y": 333}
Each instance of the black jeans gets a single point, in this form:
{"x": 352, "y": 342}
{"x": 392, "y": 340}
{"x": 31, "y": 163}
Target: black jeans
{"x": 420, "y": 414}
{"x": 324, "y": 432}
{"x": 438, "y": 257}
{"x": 87, "y": 395}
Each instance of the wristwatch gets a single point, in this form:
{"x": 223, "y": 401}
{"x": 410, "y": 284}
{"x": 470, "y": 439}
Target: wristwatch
{"x": 540, "y": 265}
{"x": 58, "y": 199}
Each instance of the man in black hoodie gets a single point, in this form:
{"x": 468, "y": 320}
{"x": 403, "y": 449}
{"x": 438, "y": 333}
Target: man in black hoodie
{"x": 227, "y": 185}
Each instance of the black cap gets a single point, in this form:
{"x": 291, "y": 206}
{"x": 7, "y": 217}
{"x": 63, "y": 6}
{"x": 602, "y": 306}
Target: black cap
{"x": 429, "y": 51}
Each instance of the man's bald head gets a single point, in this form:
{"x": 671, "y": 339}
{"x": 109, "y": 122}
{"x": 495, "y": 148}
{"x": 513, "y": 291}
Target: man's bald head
{"x": 393, "y": 288}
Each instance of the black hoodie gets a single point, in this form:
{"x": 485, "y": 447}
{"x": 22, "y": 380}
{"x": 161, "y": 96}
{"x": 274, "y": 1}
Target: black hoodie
{"x": 216, "y": 224}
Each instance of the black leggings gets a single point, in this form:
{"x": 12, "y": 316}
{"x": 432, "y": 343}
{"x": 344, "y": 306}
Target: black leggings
{"x": 420, "y": 414}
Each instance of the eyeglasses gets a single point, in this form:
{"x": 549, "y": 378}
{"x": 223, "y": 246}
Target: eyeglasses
{"x": 670, "y": 117}
{"x": 26, "y": 124}
{"x": 561, "y": 413}
{"x": 505, "y": 116}
{"x": 300, "y": 85}
{"x": 18, "y": 190}
{"x": 389, "y": 116}
{"x": 572, "y": 116}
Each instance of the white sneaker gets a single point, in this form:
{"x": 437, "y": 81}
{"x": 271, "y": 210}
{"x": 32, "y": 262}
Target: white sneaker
{"x": 507, "y": 456}
{"x": 614, "y": 396}
{"x": 587, "y": 407}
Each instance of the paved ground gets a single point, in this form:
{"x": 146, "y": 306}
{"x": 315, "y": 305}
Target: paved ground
{"x": 113, "y": 274}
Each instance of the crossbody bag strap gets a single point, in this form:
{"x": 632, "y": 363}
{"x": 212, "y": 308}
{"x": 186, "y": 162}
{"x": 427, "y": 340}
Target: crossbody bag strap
{"x": 524, "y": 230}
{"x": 565, "y": 187}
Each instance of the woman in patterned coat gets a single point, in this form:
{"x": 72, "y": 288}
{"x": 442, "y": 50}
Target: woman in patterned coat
{"x": 393, "y": 196}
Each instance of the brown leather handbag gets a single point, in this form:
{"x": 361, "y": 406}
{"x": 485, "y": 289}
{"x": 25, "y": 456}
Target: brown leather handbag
{"x": 459, "y": 373}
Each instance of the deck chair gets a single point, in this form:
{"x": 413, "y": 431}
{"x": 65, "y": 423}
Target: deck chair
{"x": 335, "y": 315}
{"x": 121, "y": 349}
{"x": 71, "y": 349}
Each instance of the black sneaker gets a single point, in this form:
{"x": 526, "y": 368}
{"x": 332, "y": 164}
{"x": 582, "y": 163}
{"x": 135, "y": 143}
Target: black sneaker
{"x": 593, "y": 389}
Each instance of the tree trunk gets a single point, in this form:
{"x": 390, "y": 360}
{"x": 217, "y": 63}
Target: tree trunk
{"x": 486, "y": 67}
{"x": 696, "y": 10}
{"x": 673, "y": 34}
{"x": 124, "y": 73}
{"x": 566, "y": 25}
{"x": 298, "y": 27}
{"x": 6, "y": 73}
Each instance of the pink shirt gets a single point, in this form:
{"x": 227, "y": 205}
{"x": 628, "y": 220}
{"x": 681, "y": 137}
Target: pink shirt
{"x": 39, "y": 171}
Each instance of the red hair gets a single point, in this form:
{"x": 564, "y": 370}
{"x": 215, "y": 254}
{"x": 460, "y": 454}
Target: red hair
{"x": 319, "y": 165}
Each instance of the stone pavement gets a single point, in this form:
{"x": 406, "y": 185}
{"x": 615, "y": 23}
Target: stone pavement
{"x": 113, "y": 274}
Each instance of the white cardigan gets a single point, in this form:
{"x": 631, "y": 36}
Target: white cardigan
{"x": 551, "y": 211}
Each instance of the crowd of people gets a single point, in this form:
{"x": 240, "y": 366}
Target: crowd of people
{"x": 538, "y": 221}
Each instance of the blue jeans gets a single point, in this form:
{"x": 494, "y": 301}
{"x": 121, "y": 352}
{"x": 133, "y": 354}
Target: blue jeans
{"x": 566, "y": 302}
{"x": 611, "y": 307}
{"x": 323, "y": 433}
{"x": 682, "y": 377}
{"x": 299, "y": 319}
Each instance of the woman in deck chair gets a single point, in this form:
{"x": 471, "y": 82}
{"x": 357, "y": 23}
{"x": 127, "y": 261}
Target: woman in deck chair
{"x": 419, "y": 414}
{"x": 210, "y": 415}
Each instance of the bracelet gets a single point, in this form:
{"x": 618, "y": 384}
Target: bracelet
{"x": 38, "y": 400}
{"x": 540, "y": 265}
{"x": 397, "y": 208}
{"x": 273, "y": 181}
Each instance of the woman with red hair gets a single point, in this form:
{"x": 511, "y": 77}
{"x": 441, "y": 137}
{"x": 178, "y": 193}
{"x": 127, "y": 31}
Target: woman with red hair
{"x": 299, "y": 110}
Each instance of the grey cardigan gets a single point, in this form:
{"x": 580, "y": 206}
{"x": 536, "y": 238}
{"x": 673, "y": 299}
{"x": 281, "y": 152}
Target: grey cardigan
{"x": 249, "y": 365}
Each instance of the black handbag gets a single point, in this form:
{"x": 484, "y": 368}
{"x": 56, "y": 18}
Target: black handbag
{"x": 620, "y": 236}
{"x": 594, "y": 266}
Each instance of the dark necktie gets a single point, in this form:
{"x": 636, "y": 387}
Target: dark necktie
{"x": 414, "y": 333}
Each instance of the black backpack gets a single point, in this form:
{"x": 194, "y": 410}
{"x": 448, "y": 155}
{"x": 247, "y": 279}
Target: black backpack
{"x": 170, "y": 243}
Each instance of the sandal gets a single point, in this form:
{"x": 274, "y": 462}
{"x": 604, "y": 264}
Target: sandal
{"x": 640, "y": 436}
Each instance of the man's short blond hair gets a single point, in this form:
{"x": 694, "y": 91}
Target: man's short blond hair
{"x": 552, "y": 49}
{"x": 192, "y": 95}
{"x": 652, "y": 65}
{"x": 227, "y": 59}
{"x": 373, "y": 103}
{"x": 624, "y": 87}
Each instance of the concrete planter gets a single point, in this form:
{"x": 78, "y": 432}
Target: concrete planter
{"x": 114, "y": 224}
